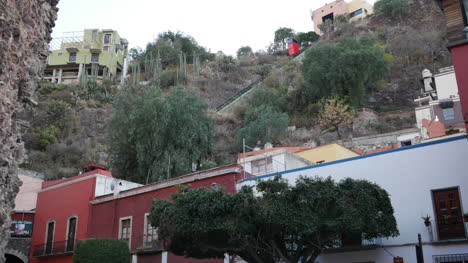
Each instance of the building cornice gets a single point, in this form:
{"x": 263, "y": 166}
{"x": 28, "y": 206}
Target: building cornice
{"x": 177, "y": 181}
{"x": 70, "y": 182}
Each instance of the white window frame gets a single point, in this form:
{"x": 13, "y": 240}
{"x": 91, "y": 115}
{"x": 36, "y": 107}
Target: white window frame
{"x": 145, "y": 230}
{"x": 47, "y": 235}
{"x": 131, "y": 228}
{"x": 68, "y": 228}
{"x": 451, "y": 116}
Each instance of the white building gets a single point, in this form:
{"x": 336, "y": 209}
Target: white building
{"x": 424, "y": 179}
{"x": 272, "y": 160}
{"x": 440, "y": 100}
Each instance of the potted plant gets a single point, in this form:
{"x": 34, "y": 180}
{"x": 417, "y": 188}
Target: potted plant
{"x": 427, "y": 220}
{"x": 465, "y": 217}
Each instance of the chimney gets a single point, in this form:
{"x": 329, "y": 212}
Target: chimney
{"x": 268, "y": 145}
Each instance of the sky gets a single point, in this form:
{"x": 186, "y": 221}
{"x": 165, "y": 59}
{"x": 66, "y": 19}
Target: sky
{"x": 218, "y": 25}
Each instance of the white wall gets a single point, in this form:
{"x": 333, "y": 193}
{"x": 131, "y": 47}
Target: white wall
{"x": 408, "y": 174}
{"x": 281, "y": 161}
{"x": 446, "y": 85}
{"x": 103, "y": 185}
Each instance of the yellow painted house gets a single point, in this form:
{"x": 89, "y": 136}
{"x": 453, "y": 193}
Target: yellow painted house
{"x": 327, "y": 153}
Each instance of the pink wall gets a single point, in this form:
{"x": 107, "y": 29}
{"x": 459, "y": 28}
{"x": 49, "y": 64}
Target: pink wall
{"x": 338, "y": 7}
{"x": 460, "y": 62}
{"x": 27, "y": 196}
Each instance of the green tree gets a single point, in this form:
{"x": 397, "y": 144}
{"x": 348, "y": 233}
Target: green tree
{"x": 281, "y": 36}
{"x": 155, "y": 137}
{"x": 244, "y": 51}
{"x": 281, "y": 223}
{"x": 102, "y": 250}
{"x": 264, "y": 124}
{"x": 263, "y": 70}
{"x": 349, "y": 70}
{"x": 307, "y": 38}
{"x": 392, "y": 8}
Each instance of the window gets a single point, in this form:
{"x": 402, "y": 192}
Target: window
{"x": 449, "y": 219}
{"x": 125, "y": 229}
{"x": 465, "y": 6}
{"x": 107, "y": 38}
{"x": 72, "y": 57}
{"x": 95, "y": 57}
{"x": 356, "y": 13}
{"x": 150, "y": 232}
{"x": 455, "y": 258}
{"x": 49, "y": 237}
{"x": 449, "y": 114}
{"x": 71, "y": 233}
{"x": 262, "y": 166}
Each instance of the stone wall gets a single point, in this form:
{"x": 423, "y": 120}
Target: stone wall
{"x": 24, "y": 36}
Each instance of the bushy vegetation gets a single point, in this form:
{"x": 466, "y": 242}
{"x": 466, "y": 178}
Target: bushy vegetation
{"x": 350, "y": 69}
{"x": 101, "y": 250}
{"x": 279, "y": 222}
{"x": 392, "y": 8}
{"x": 155, "y": 137}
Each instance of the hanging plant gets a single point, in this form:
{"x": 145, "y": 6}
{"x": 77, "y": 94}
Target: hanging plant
{"x": 427, "y": 220}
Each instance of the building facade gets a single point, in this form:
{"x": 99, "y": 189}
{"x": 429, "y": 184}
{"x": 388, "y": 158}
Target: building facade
{"x": 438, "y": 169}
{"x": 97, "y": 54}
{"x": 355, "y": 9}
{"x": 96, "y": 205}
{"x": 456, "y": 16}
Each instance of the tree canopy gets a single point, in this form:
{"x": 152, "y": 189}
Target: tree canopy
{"x": 264, "y": 124}
{"x": 349, "y": 69}
{"x": 392, "y": 8}
{"x": 278, "y": 223}
{"x": 244, "y": 51}
{"x": 334, "y": 114}
{"x": 307, "y": 38}
{"x": 281, "y": 36}
{"x": 155, "y": 137}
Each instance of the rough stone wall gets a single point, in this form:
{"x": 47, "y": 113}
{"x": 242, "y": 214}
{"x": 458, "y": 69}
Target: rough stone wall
{"x": 25, "y": 27}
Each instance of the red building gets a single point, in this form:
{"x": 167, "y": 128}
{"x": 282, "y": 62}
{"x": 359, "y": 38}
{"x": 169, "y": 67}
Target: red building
{"x": 456, "y": 15}
{"x": 95, "y": 205}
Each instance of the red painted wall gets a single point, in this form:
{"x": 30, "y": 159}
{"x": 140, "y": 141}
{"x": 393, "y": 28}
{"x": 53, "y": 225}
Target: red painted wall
{"x": 460, "y": 62}
{"x": 59, "y": 204}
{"x": 105, "y": 217}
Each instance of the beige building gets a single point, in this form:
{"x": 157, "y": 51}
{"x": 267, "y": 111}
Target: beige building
{"x": 355, "y": 9}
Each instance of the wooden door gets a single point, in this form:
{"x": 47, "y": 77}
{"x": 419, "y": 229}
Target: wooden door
{"x": 448, "y": 214}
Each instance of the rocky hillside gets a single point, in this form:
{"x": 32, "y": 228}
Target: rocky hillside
{"x": 24, "y": 36}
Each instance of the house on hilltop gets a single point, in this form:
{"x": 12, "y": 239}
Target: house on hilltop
{"x": 100, "y": 54}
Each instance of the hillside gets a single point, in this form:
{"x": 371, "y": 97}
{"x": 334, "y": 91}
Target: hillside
{"x": 69, "y": 128}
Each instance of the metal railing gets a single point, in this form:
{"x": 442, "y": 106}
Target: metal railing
{"x": 459, "y": 258}
{"x": 450, "y": 229}
{"x": 54, "y": 248}
{"x": 148, "y": 243}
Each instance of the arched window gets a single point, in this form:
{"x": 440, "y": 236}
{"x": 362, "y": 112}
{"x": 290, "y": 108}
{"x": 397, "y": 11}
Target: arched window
{"x": 71, "y": 233}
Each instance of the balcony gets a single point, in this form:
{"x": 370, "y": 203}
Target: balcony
{"x": 358, "y": 245}
{"x": 148, "y": 244}
{"x": 451, "y": 258}
{"x": 59, "y": 248}
{"x": 449, "y": 230}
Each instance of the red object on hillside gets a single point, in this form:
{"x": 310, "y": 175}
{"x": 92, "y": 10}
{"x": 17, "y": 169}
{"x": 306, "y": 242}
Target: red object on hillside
{"x": 293, "y": 46}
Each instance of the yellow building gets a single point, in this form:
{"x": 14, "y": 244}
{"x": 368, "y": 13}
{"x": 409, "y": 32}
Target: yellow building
{"x": 327, "y": 153}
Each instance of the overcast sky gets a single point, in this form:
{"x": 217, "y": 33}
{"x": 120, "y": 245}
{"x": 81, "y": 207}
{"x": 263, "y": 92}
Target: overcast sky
{"x": 215, "y": 24}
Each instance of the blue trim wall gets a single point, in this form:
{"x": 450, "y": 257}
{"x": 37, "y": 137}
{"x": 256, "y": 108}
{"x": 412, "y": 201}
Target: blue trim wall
{"x": 360, "y": 157}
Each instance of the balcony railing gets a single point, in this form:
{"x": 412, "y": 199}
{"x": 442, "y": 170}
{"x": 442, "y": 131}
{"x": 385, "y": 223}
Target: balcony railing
{"x": 148, "y": 243}
{"x": 54, "y": 248}
{"x": 449, "y": 229}
{"x": 462, "y": 258}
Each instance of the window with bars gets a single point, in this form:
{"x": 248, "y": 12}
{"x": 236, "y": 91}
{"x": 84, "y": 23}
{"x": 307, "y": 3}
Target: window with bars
{"x": 72, "y": 57}
{"x": 262, "y": 166}
{"x": 151, "y": 232}
{"x": 95, "y": 57}
{"x": 125, "y": 229}
{"x": 107, "y": 38}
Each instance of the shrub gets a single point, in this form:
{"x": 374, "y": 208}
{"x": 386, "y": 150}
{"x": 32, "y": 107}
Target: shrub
{"x": 392, "y": 8}
{"x": 101, "y": 250}
{"x": 168, "y": 78}
{"x": 263, "y": 70}
{"x": 45, "y": 136}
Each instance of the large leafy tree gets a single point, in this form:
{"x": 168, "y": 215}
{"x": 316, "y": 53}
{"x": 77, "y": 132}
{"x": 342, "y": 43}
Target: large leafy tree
{"x": 334, "y": 114}
{"x": 349, "y": 69}
{"x": 278, "y": 223}
{"x": 264, "y": 124}
{"x": 101, "y": 250}
{"x": 281, "y": 36}
{"x": 244, "y": 51}
{"x": 154, "y": 137}
{"x": 307, "y": 38}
